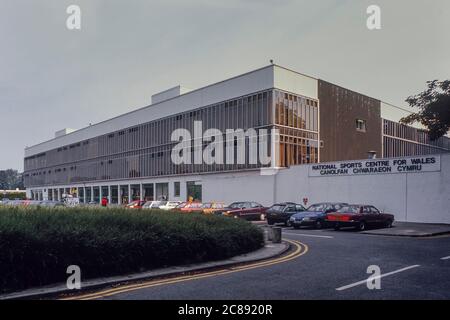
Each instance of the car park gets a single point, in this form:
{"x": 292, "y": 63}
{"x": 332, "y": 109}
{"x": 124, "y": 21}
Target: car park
{"x": 247, "y": 210}
{"x": 360, "y": 217}
{"x": 282, "y": 212}
{"x": 315, "y": 215}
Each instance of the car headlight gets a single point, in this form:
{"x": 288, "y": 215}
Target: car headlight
{"x": 306, "y": 218}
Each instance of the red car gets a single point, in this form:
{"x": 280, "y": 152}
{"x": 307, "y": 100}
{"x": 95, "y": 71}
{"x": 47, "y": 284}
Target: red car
{"x": 246, "y": 210}
{"x": 135, "y": 204}
{"x": 359, "y": 216}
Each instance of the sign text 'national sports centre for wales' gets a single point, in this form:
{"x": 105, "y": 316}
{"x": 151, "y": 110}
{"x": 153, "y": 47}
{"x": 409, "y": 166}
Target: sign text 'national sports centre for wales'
{"x": 375, "y": 166}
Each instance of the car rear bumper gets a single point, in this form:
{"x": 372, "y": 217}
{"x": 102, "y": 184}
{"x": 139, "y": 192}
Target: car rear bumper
{"x": 277, "y": 219}
{"x": 303, "y": 223}
{"x": 344, "y": 224}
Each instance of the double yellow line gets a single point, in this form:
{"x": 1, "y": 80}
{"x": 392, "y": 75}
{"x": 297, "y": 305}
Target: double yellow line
{"x": 299, "y": 250}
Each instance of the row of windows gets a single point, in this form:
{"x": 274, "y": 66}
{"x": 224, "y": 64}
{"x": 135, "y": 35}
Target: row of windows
{"x": 398, "y": 130}
{"x": 295, "y": 111}
{"x": 393, "y": 147}
{"x": 125, "y": 153}
{"x": 246, "y": 112}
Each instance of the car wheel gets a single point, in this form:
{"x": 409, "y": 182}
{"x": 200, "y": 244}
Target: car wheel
{"x": 389, "y": 224}
{"x": 318, "y": 224}
{"x": 361, "y": 226}
{"x": 269, "y": 222}
{"x": 262, "y": 217}
{"x": 337, "y": 227}
{"x": 287, "y": 223}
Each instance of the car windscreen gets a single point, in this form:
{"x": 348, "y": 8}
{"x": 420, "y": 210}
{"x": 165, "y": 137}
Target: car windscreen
{"x": 277, "y": 207}
{"x": 320, "y": 207}
{"x": 349, "y": 209}
{"x": 236, "y": 205}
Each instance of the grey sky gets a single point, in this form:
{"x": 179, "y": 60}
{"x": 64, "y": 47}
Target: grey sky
{"x": 52, "y": 78}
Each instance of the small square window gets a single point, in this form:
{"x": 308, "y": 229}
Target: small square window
{"x": 361, "y": 125}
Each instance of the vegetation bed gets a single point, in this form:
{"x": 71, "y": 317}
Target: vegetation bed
{"x": 38, "y": 244}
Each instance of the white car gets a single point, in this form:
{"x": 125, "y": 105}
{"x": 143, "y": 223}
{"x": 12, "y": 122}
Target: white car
{"x": 153, "y": 204}
{"x": 170, "y": 205}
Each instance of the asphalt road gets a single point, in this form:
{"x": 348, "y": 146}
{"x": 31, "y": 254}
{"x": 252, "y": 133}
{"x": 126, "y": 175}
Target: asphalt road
{"x": 336, "y": 261}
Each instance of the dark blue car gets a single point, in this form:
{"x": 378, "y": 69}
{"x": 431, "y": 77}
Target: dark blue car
{"x": 315, "y": 215}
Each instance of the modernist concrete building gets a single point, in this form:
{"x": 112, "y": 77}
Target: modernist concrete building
{"x": 129, "y": 157}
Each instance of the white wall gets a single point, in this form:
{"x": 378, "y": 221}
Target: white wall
{"x": 414, "y": 197}
{"x": 245, "y": 186}
{"x": 295, "y": 82}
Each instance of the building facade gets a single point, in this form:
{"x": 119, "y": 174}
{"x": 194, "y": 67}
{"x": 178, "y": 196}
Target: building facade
{"x": 299, "y": 120}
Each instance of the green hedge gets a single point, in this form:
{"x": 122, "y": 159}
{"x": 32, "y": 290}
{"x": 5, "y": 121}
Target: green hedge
{"x": 38, "y": 244}
{"x": 13, "y": 195}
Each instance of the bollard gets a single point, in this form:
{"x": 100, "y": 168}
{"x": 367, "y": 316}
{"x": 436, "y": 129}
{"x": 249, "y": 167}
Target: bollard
{"x": 268, "y": 233}
{"x": 276, "y": 235}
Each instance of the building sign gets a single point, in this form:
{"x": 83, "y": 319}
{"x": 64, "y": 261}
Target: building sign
{"x": 377, "y": 166}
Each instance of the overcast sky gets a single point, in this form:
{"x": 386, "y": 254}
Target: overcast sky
{"x": 52, "y": 78}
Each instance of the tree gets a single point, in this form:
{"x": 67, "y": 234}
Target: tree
{"x": 434, "y": 108}
{"x": 10, "y": 180}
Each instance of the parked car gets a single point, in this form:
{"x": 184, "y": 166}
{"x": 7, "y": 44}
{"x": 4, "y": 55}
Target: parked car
{"x": 153, "y": 204}
{"x": 246, "y": 210}
{"x": 282, "y": 212}
{"x": 191, "y": 207}
{"x": 51, "y": 204}
{"x": 170, "y": 205}
{"x": 315, "y": 215}
{"x": 212, "y": 207}
{"x": 137, "y": 204}
{"x": 359, "y": 216}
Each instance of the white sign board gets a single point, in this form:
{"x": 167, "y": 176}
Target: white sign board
{"x": 376, "y": 166}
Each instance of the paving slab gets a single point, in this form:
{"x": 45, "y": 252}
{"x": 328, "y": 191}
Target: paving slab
{"x": 412, "y": 229}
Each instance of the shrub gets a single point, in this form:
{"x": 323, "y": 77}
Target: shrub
{"x": 38, "y": 244}
{"x": 13, "y": 196}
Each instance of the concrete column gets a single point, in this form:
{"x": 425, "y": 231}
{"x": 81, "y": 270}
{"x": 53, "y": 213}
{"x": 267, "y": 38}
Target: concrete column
{"x": 92, "y": 194}
{"x": 141, "y": 194}
{"x": 84, "y": 195}
{"x": 109, "y": 194}
{"x": 275, "y": 152}
{"x": 119, "y": 195}
{"x": 59, "y": 194}
{"x": 100, "y": 193}
{"x": 129, "y": 193}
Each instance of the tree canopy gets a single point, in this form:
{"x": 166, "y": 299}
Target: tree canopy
{"x": 10, "y": 180}
{"x": 434, "y": 108}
